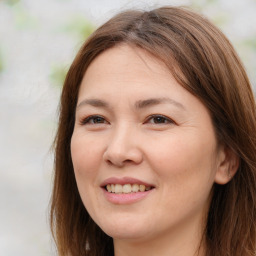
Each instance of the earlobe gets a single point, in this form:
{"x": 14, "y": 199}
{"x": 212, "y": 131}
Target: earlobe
{"x": 227, "y": 167}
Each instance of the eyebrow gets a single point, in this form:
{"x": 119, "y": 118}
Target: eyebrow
{"x": 94, "y": 103}
{"x": 155, "y": 101}
{"x": 138, "y": 104}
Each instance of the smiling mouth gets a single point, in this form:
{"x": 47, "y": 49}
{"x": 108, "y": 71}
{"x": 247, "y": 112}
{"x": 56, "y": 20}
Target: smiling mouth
{"x": 126, "y": 188}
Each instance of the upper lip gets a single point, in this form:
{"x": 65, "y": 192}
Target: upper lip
{"x": 125, "y": 180}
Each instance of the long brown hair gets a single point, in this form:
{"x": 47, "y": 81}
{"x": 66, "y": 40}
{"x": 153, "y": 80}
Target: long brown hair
{"x": 203, "y": 62}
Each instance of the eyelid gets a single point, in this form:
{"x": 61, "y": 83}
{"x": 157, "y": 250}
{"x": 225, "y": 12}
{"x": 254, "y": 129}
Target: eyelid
{"x": 87, "y": 119}
{"x": 170, "y": 121}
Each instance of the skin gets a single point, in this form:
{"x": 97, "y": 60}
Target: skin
{"x": 176, "y": 152}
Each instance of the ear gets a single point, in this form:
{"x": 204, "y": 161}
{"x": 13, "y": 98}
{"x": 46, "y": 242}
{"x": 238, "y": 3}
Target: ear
{"x": 227, "y": 166}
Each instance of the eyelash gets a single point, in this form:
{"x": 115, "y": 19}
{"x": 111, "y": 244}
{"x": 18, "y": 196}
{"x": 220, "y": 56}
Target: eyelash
{"x": 163, "y": 118}
{"x": 91, "y": 118}
{"x": 166, "y": 120}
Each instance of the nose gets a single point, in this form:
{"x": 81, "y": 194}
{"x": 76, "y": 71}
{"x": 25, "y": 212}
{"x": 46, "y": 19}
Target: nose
{"x": 123, "y": 148}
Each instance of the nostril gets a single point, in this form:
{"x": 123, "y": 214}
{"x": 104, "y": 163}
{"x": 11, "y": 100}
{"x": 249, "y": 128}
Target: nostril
{"x": 115, "y": 163}
{"x": 109, "y": 162}
{"x": 119, "y": 154}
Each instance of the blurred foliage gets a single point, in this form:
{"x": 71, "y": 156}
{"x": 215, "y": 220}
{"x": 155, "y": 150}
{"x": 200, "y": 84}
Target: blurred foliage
{"x": 23, "y": 19}
{"x": 201, "y": 4}
{"x": 1, "y": 62}
{"x": 11, "y": 2}
{"x": 80, "y": 27}
{"x": 250, "y": 45}
{"x": 57, "y": 74}
{"x": 251, "y": 42}
{"x": 219, "y": 18}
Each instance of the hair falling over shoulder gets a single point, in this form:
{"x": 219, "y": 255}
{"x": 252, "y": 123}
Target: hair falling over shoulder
{"x": 204, "y": 62}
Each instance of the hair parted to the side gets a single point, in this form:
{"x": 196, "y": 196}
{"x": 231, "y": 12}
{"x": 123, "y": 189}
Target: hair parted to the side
{"x": 203, "y": 62}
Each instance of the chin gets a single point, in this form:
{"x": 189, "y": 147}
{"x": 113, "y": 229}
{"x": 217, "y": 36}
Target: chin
{"x": 127, "y": 234}
{"x": 121, "y": 229}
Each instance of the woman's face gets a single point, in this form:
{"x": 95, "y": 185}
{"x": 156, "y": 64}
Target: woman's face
{"x": 136, "y": 129}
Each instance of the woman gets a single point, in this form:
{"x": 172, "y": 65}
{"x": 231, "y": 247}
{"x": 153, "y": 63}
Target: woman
{"x": 155, "y": 150}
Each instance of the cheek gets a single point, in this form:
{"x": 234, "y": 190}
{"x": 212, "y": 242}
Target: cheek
{"x": 184, "y": 159}
{"x": 185, "y": 173}
{"x": 86, "y": 155}
{"x": 86, "y": 158}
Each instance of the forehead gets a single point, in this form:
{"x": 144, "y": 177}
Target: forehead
{"x": 125, "y": 64}
{"x": 126, "y": 55}
{"x": 125, "y": 74}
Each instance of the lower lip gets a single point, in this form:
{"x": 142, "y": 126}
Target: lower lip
{"x": 128, "y": 198}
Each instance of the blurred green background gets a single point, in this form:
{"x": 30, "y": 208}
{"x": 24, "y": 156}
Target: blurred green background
{"x": 38, "y": 40}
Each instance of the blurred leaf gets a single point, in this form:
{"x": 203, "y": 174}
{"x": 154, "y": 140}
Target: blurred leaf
{"x": 24, "y": 19}
{"x": 58, "y": 74}
{"x": 11, "y": 2}
{"x": 220, "y": 19}
{"x": 211, "y": 9}
{"x": 1, "y": 62}
{"x": 200, "y": 5}
{"x": 80, "y": 26}
{"x": 1, "y": 65}
{"x": 197, "y": 4}
{"x": 212, "y": 1}
{"x": 251, "y": 42}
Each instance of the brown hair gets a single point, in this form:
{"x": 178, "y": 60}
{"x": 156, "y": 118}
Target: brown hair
{"x": 212, "y": 71}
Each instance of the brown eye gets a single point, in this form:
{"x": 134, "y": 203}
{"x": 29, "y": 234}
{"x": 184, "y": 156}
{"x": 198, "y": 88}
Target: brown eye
{"x": 159, "y": 119}
{"x": 94, "y": 120}
{"x": 97, "y": 120}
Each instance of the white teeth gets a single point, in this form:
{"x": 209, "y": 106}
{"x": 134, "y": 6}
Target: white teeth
{"x": 118, "y": 188}
{"x": 135, "y": 188}
{"x": 127, "y": 188}
{"x": 142, "y": 188}
{"x": 109, "y": 188}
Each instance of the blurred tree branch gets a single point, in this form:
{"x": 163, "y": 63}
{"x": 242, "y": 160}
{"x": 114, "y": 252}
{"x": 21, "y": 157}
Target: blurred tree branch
{"x": 11, "y": 2}
{"x": 1, "y": 61}
{"x": 79, "y": 28}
